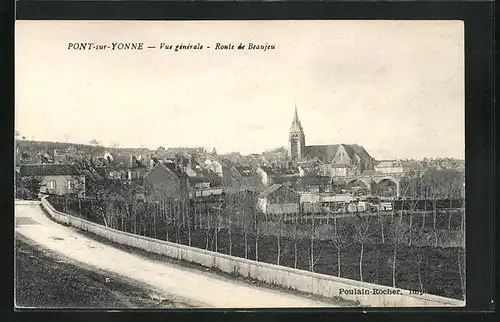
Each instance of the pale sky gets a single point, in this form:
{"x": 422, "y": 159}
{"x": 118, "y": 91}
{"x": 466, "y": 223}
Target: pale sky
{"x": 395, "y": 87}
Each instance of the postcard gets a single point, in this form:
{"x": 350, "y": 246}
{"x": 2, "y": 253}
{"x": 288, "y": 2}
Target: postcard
{"x": 239, "y": 164}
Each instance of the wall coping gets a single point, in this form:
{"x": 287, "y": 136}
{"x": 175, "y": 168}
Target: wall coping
{"x": 26, "y": 202}
{"x": 354, "y": 283}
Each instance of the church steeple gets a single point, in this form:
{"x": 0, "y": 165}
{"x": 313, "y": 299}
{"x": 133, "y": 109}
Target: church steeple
{"x": 296, "y": 126}
{"x": 297, "y": 139}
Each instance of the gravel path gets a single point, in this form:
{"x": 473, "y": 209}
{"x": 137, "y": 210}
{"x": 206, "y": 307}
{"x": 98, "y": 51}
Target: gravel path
{"x": 45, "y": 279}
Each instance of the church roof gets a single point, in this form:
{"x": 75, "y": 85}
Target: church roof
{"x": 296, "y": 126}
{"x": 349, "y": 149}
{"x": 325, "y": 153}
{"x": 360, "y": 150}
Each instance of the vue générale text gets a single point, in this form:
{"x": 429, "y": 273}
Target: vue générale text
{"x": 135, "y": 46}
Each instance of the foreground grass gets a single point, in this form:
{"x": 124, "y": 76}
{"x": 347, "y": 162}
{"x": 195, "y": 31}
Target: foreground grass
{"x": 45, "y": 280}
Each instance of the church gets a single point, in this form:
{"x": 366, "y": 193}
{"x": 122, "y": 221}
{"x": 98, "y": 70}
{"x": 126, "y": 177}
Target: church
{"x": 333, "y": 159}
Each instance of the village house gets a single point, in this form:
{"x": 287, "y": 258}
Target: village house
{"x": 201, "y": 187}
{"x": 339, "y": 170}
{"x": 309, "y": 167}
{"x": 166, "y": 181}
{"x": 184, "y": 151}
{"x": 249, "y": 179}
{"x": 268, "y": 176}
{"x": 203, "y": 182}
{"x": 233, "y": 176}
{"x": 396, "y": 166}
{"x": 322, "y": 202}
{"x": 59, "y": 179}
{"x": 278, "y": 199}
{"x": 314, "y": 183}
{"x": 213, "y": 165}
{"x": 265, "y": 174}
{"x": 124, "y": 166}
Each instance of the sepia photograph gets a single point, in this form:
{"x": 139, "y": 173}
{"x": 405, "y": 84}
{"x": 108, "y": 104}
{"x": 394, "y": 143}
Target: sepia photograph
{"x": 239, "y": 164}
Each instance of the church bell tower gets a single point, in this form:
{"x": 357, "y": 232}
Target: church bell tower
{"x": 296, "y": 140}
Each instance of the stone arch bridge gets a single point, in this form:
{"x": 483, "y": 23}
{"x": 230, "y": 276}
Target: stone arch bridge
{"x": 369, "y": 180}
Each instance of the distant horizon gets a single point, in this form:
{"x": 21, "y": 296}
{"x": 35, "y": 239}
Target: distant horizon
{"x": 209, "y": 150}
{"x": 379, "y": 84}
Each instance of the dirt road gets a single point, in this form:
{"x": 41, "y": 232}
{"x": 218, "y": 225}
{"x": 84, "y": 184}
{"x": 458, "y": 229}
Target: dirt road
{"x": 45, "y": 279}
{"x": 173, "y": 283}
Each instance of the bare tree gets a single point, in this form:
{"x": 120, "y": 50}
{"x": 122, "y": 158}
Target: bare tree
{"x": 441, "y": 183}
{"x": 245, "y": 218}
{"x": 188, "y": 217}
{"x": 425, "y": 197}
{"x": 257, "y": 233}
{"x": 280, "y": 232}
{"x": 341, "y": 240}
{"x": 381, "y": 220}
{"x": 414, "y": 188}
{"x": 175, "y": 220}
{"x": 313, "y": 230}
{"x": 461, "y": 270}
{"x": 169, "y": 217}
{"x": 361, "y": 235}
{"x": 454, "y": 192}
{"x": 207, "y": 226}
{"x": 244, "y": 215}
{"x": 230, "y": 215}
{"x": 419, "y": 263}
{"x": 295, "y": 237}
{"x": 412, "y": 205}
{"x": 398, "y": 234}
{"x": 232, "y": 205}
{"x": 245, "y": 232}
{"x": 218, "y": 211}
{"x": 140, "y": 211}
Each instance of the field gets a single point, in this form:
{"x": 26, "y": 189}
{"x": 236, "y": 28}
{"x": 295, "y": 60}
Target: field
{"x": 433, "y": 270}
{"x": 422, "y": 251}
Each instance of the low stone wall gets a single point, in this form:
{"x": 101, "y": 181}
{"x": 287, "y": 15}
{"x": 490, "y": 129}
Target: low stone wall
{"x": 26, "y": 202}
{"x": 314, "y": 283}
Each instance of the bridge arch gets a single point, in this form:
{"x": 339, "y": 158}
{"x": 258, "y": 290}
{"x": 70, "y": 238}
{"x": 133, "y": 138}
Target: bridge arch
{"x": 386, "y": 178}
{"x": 367, "y": 183}
{"x": 393, "y": 182}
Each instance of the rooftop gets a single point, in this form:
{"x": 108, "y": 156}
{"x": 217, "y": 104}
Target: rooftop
{"x": 48, "y": 169}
